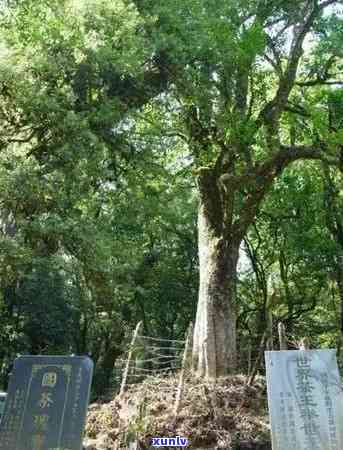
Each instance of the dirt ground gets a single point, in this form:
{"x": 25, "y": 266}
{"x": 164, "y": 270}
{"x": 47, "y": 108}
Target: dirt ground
{"x": 228, "y": 414}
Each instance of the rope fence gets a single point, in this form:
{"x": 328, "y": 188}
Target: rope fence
{"x": 152, "y": 356}
{"x": 148, "y": 356}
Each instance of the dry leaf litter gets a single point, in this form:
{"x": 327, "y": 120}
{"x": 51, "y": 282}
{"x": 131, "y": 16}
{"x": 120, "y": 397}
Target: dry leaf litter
{"x": 226, "y": 414}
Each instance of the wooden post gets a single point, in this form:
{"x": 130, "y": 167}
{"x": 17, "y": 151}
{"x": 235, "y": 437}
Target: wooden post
{"x": 185, "y": 364}
{"x": 249, "y": 357}
{"x": 270, "y": 344}
{"x": 129, "y": 357}
{"x": 304, "y": 344}
{"x": 187, "y": 357}
{"x": 258, "y": 359}
{"x": 282, "y": 336}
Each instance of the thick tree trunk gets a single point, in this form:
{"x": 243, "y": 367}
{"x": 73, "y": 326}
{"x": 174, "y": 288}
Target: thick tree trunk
{"x": 214, "y": 345}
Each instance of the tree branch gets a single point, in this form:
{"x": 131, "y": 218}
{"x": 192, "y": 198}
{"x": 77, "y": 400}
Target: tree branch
{"x": 274, "y": 165}
{"x": 261, "y": 179}
{"x": 324, "y": 76}
{"x": 297, "y": 110}
{"x": 276, "y": 62}
{"x": 328, "y": 3}
{"x": 272, "y": 111}
{"x": 319, "y": 81}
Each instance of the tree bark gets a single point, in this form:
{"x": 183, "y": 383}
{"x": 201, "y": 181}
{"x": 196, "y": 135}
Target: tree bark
{"x": 214, "y": 346}
{"x": 222, "y": 224}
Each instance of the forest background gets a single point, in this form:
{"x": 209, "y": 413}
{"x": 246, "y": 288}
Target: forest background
{"x": 119, "y": 121}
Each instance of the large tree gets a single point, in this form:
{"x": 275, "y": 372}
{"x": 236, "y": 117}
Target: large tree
{"x": 247, "y": 110}
{"x": 234, "y": 87}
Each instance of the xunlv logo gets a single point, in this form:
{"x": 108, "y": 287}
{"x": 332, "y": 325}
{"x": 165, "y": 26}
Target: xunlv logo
{"x": 169, "y": 442}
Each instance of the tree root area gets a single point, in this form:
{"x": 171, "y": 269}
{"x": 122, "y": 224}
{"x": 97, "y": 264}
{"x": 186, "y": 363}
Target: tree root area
{"x": 227, "y": 414}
